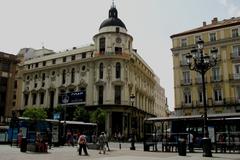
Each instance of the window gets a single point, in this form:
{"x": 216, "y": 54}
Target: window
{"x": 184, "y": 42}
{"x": 101, "y": 71}
{"x": 64, "y": 76}
{"x": 117, "y": 98}
{"x": 216, "y": 73}
{"x": 43, "y": 77}
{"x": 44, "y": 63}
{"x": 4, "y": 66}
{"x": 186, "y": 77}
{"x": 187, "y": 98}
{"x": 118, "y": 50}
{"x": 102, "y": 45}
{"x": 118, "y": 70}
{"x": 212, "y": 37}
{"x": 41, "y": 98}
{"x": 73, "y": 57}
{"x": 235, "y": 32}
{"x": 15, "y": 84}
{"x": 26, "y": 99}
{"x": 84, "y": 55}
{"x": 54, "y": 61}
{"x": 64, "y": 59}
{"x": 36, "y": 65}
{"x": 100, "y": 95}
{"x": 237, "y": 71}
{"x": 29, "y": 66}
{"x": 217, "y": 95}
{"x": 236, "y": 51}
{"x": 34, "y": 98}
{"x": 238, "y": 93}
{"x": 72, "y": 75}
{"x": 200, "y": 95}
{"x": 117, "y": 29}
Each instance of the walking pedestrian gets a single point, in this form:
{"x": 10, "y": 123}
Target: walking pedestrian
{"x": 82, "y": 141}
{"x": 101, "y": 141}
{"x": 106, "y": 141}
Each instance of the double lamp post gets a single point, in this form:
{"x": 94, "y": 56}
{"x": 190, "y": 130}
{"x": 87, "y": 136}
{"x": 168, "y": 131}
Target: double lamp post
{"x": 201, "y": 63}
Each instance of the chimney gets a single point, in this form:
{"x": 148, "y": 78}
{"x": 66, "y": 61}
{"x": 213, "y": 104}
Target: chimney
{"x": 204, "y": 23}
{"x": 214, "y": 20}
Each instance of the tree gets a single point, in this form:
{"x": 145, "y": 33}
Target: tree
{"x": 99, "y": 116}
{"x": 80, "y": 114}
{"x": 35, "y": 113}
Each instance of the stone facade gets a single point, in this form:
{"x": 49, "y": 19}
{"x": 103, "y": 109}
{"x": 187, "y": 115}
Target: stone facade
{"x": 107, "y": 71}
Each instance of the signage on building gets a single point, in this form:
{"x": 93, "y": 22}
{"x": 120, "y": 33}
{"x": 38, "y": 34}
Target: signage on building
{"x": 73, "y": 97}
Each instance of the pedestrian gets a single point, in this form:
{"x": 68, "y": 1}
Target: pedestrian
{"x": 190, "y": 142}
{"x": 82, "y": 141}
{"x": 19, "y": 137}
{"x": 106, "y": 141}
{"x": 49, "y": 138}
{"x": 102, "y": 141}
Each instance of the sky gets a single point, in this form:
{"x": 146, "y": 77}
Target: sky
{"x": 63, "y": 24}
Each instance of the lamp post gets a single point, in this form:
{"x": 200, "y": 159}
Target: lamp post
{"x": 201, "y": 63}
{"x": 132, "y": 99}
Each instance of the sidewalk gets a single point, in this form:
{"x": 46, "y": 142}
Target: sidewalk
{"x": 70, "y": 153}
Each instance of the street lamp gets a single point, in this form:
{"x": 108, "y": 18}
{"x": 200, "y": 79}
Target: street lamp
{"x": 132, "y": 99}
{"x": 201, "y": 63}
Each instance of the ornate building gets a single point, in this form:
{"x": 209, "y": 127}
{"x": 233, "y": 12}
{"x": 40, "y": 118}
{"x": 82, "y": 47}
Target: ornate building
{"x": 107, "y": 72}
{"x": 8, "y": 85}
{"x": 222, "y": 81}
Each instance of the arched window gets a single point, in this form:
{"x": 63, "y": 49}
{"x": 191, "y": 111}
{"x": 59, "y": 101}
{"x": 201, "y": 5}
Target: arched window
{"x": 118, "y": 70}
{"x": 64, "y": 76}
{"x": 101, "y": 71}
{"x": 72, "y": 75}
{"x": 102, "y": 45}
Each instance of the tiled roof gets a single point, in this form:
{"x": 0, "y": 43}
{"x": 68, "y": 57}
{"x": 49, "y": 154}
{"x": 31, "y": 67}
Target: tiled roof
{"x": 214, "y": 25}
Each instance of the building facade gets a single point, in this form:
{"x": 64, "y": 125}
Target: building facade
{"x": 222, "y": 81}
{"x": 108, "y": 72}
{"x": 8, "y": 85}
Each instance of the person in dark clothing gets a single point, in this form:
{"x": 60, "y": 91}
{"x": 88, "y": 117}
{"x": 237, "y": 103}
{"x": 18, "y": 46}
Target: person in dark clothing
{"x": 82, "y": 141}
{"x": 49, "y": 138}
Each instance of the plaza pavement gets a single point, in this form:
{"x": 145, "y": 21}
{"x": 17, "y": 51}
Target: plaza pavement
{"x": 70, "y": 153}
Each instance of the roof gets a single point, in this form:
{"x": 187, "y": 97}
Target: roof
{"x": 214, "y": 25}
{"x": 113, "y": 19}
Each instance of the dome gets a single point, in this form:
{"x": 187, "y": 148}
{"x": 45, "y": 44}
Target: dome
{"x": 113, "y": 19}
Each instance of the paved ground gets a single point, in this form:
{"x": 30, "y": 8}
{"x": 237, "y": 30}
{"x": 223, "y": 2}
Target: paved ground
{"x": 70, "y": 153}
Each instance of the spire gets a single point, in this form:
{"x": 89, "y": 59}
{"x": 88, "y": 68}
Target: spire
{"x": 113, "y": 5}
{"x": 113, "y": 13}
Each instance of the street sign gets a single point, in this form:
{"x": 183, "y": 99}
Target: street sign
{"x": 65, "y": 99}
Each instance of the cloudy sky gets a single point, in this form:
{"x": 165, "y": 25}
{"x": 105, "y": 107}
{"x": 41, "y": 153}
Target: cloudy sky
{"x": 62, "y": 24}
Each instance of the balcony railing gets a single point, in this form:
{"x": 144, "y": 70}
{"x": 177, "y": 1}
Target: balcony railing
{"x": 234, "y": 76}
{"x": 216, "y": 78}
{"x": 98, "y": 54}
{"x": 186, "y": 82}
{"x": 183, "y": 63}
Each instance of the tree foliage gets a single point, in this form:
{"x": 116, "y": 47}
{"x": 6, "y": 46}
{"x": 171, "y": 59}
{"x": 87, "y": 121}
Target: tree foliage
{"x": 98, "y": 116}
{"x": 80, "y": 114}
{"x": 35, "y": 113}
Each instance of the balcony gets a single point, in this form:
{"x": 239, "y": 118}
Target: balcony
{"x": 187, "y": 105}
{"x": 234, "y": 77}
{"x": 218, "y": 78}
{"x": 101, "y": 54}
{"x": 235, "y": 57}
{"x": 186, "y": 82}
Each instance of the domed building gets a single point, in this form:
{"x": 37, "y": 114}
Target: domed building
{"x": 109, "y": 74}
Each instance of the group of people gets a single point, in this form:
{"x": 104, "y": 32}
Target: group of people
{"x": 102, "y": 140}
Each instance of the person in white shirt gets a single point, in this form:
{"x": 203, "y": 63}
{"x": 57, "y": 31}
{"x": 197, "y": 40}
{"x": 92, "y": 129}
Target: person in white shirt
{"x": 190, "y": 142}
